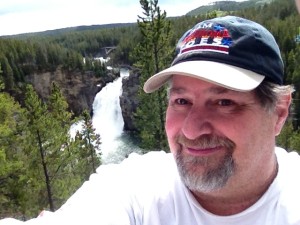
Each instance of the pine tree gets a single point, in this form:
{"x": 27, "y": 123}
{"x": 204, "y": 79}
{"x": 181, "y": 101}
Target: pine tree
{"x": 40, "y": 127}
{"x": 7, "y": 73}
{"x": 63, "y": 154}
{"x": 12, "y": 159}
{"x": 152, "y": 54}
{"x": 89, "y": 153}
{"x": 49, "y": 148}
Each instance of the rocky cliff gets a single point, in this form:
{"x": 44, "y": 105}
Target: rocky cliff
{"x": 128, "y": 99}
{"x": 78, "y": 88}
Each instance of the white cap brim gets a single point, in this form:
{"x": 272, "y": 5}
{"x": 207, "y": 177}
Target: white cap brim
{"x": 225, "y": 75}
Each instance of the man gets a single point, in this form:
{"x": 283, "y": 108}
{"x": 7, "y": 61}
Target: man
{"x": 226, "y": 106}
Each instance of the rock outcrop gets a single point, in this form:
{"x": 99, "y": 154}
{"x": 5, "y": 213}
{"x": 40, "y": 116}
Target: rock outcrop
{"x": 78, "y": 88}
{"x": 128, "y": 99}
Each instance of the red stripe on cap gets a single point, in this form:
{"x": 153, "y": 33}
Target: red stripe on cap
{"x": 207, "y": 48}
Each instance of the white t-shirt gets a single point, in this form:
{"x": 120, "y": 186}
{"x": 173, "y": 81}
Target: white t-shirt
{"x": 147, "y": 190}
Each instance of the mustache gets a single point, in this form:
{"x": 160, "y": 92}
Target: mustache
{"x": 206, "y": 141}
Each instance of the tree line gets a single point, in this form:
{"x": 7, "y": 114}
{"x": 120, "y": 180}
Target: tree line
{"x": 37, "y": 152}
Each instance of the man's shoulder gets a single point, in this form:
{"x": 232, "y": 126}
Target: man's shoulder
{"x": 287, "y": 159}
{"x": 289, "y": 166}
{"x": 289, "y": 180}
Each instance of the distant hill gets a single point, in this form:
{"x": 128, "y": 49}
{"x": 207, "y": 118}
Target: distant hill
{"x": 70, "y": 29}
{"x": 227, "y": 5}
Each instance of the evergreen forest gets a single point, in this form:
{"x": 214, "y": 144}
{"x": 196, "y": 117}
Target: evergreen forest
{"x": 41, "y": 164}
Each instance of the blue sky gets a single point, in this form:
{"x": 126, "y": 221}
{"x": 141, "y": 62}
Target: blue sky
{"x": 22, "y": 16}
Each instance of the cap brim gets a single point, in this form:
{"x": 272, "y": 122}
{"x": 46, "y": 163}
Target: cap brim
{"x": 231, "y": 77}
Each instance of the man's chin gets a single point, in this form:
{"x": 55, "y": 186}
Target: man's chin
{"x": 205, "y": 174}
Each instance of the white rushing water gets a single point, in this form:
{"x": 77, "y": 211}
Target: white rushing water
{"x": 107, "y": 117}
{"x": 108, "y": 122}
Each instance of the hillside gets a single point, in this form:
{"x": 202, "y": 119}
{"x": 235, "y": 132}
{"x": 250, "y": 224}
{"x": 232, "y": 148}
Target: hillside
{"x": 227, "y": 6}
{"x": 69, "y": 29}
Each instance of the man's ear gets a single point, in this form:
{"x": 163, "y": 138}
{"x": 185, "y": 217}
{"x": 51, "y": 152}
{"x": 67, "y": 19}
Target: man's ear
{"x": 282, "y": 111}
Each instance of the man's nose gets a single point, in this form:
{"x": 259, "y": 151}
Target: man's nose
{"x": 198, "y": 122}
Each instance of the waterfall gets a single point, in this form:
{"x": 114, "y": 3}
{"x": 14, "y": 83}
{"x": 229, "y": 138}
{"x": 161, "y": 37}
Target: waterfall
{"x": 109, "y": 123}
{"x": 107, "y": 117}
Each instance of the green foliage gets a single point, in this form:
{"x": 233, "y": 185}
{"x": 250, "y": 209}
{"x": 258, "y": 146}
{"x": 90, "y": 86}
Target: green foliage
{"x": 89, "y": 150}
{"x": 7, "y": 73}
{"x": 284, "y": 139}
{"x": 42, "y": 142}
{"x": 12, "y": 159}
{"x": 152, "y": 54}
{"x": 99, "y": 68}
{"x": 40, "y": 164}
{"x": 289, "y": 138}
{"x": 50, "y": 149}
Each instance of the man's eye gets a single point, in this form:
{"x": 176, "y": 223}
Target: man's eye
{"x": 225, "y": 102}
{"x": 181, "y": 101}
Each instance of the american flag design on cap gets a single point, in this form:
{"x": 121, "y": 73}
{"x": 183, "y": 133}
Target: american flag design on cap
{"x": 207, "y": 36}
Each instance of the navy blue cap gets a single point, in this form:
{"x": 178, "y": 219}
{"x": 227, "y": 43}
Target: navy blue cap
{"x": 230, "y": 51}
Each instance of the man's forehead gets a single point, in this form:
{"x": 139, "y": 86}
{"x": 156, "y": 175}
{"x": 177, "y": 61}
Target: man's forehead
{"x": 179, "y": 87}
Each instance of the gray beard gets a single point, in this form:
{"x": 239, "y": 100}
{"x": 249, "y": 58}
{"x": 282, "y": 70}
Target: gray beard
{"x": 216, "y": 172}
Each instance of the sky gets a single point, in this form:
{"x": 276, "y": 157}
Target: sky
{"x": 24, "y": 16}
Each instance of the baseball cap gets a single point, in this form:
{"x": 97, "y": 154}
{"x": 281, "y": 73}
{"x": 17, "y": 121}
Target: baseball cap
{"x": 229, "y": 51}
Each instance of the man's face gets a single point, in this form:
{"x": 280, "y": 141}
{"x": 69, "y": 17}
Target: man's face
{"x": 218, "y": 136}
